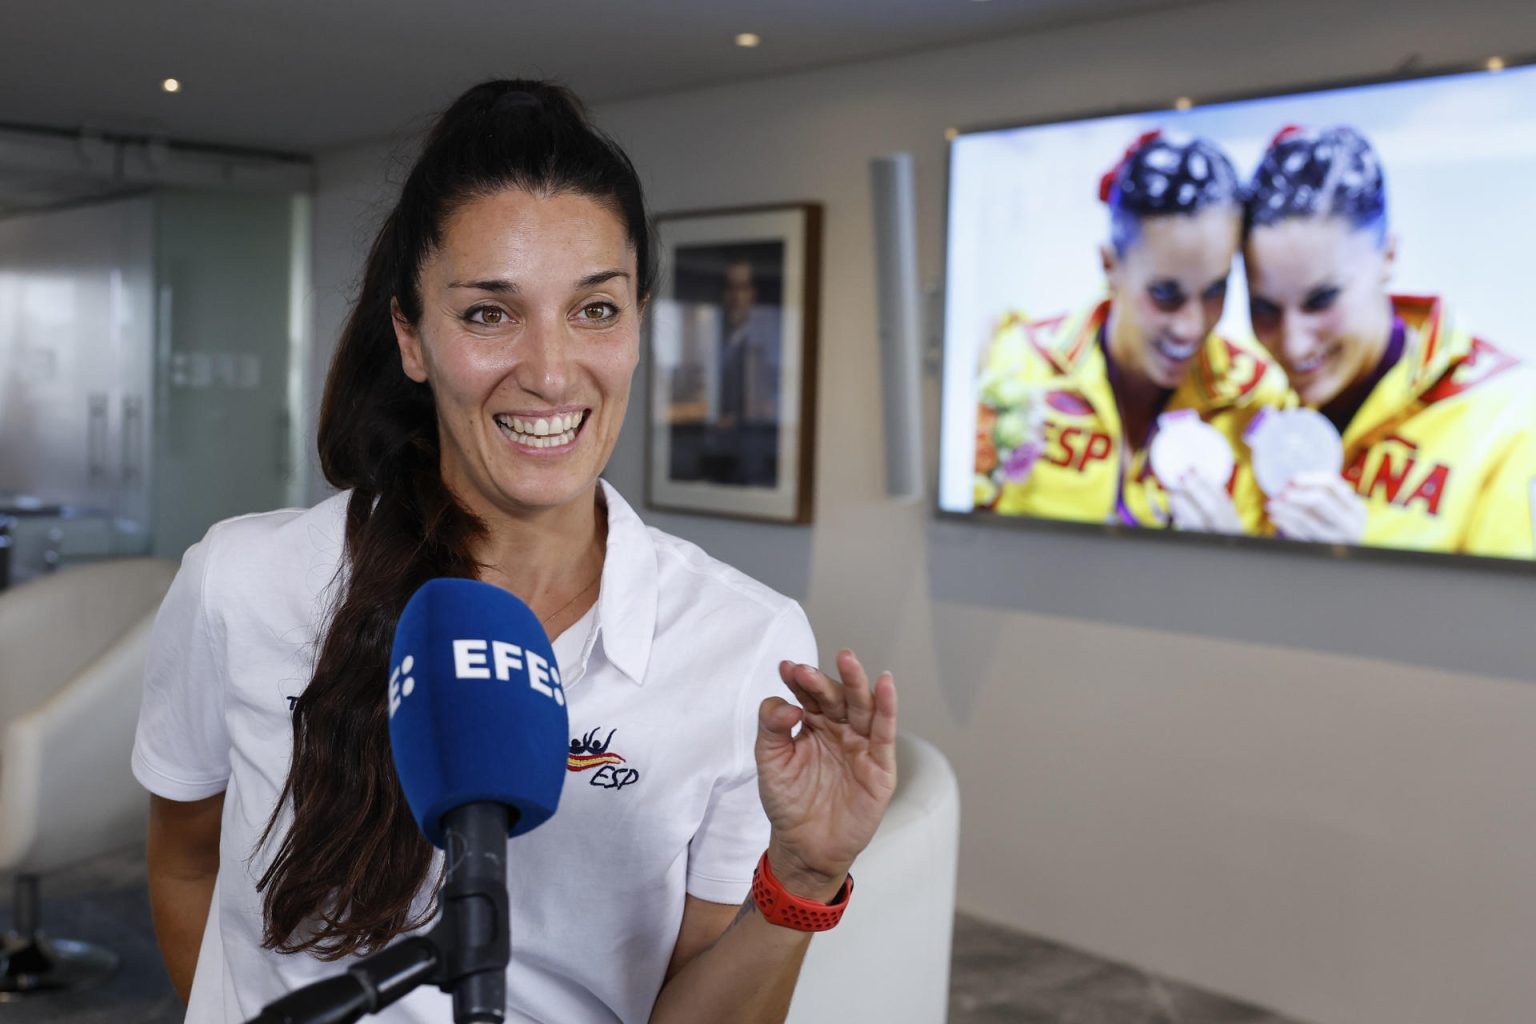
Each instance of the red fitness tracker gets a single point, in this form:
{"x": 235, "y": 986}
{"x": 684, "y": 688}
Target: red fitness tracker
{"x": 780, "y": 906}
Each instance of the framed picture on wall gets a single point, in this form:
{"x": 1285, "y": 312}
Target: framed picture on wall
{"x": 730, "y": 425}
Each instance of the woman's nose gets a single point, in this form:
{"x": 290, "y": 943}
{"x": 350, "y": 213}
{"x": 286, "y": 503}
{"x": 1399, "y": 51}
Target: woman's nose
{"x": 1298, "y": 338}
{"x": 543, "y": 359}
{"x": 1189, "y": 322}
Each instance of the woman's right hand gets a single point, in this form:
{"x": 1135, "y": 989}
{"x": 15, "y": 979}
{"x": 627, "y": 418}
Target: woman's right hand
{"x": 1318, "y": 507}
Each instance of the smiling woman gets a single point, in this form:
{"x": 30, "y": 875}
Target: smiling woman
{"x": 1070, "y": 405}
{"x": 528, "y": 337}
{"x": 1438, "y": 434}
{"x": 475, "y": 398}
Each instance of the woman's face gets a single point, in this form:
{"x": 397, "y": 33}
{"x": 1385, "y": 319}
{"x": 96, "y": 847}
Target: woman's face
{"x": 1317, "y": 295}
{"x": 529, "y": 336}
{"x": 1168, "y": 290}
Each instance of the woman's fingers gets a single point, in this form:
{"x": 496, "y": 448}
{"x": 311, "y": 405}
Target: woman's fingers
{"x": 882, "y": 733}
{"x": 776, "y": 721}
{"x": 814, "y": 688}
{"x": 1292, "y": 522}
{"x": 789, "y": 672}
{"x": 856, "y": 692}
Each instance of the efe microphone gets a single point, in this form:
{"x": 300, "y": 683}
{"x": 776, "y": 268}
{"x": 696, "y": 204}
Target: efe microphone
{"x": 480, "y": 734}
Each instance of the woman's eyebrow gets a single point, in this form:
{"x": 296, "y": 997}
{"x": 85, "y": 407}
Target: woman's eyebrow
{"x": 602, "y": 276}
{"x": 492, "y": 285}
{"x": 506, "y": 287}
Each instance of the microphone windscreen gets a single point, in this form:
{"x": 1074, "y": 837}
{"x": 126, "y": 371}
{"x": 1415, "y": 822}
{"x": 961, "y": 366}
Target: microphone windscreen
{"x": 476, "y": 710}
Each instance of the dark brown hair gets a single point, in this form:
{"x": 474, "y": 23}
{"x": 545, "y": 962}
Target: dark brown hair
{"x": 346, "y": 872}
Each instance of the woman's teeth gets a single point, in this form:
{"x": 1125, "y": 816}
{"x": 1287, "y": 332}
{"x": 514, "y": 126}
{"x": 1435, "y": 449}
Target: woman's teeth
{"x": 1174, "y": 351}
{"x": 543, "y": 432}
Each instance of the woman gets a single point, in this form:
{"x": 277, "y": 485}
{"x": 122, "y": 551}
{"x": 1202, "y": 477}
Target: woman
{"x": 476, "y": 395}
{"x": 1069, "y": 405}
{"x": 1439, "y": 436}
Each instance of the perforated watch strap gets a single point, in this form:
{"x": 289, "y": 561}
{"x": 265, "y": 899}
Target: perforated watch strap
{"x": 782, "y": 907}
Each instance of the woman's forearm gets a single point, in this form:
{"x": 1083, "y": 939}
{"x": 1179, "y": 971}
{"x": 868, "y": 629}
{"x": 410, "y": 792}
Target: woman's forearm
{"x": 179, "y": 907}
{"x": 183, "y": 862}
{"x": 747, "y": 976}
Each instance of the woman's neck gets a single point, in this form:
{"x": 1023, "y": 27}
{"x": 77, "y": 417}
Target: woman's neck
{"x": 550, "y": 558}
{"x": 1383, "y": 354}
{"x": 1137, "y": 399}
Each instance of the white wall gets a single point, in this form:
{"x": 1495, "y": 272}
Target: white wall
{"x": 1303, "y": 782}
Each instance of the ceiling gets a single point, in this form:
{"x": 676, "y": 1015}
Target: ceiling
{"x": 303, "y": 75}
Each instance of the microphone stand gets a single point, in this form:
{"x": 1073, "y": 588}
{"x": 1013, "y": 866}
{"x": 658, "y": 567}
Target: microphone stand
{"x": 466, "y": 954}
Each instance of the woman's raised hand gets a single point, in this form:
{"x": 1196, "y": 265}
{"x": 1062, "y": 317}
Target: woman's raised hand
{"x": 826, "y": 788}
{"x": 1319, "y": 507}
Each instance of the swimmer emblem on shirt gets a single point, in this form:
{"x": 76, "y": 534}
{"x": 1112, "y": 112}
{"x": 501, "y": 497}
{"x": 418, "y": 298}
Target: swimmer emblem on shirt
{"x": 589, "y": 752}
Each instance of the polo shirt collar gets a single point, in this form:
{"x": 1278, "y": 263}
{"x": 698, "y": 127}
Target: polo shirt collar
{"x": 626, "y": 602}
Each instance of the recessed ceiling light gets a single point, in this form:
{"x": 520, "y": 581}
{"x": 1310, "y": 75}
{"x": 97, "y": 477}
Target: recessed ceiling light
{"x": 1183, "y": 103}
{"x": 1495, "y": 64}
{"x": 747, "y": 39}
{"x": 171, "y": 85}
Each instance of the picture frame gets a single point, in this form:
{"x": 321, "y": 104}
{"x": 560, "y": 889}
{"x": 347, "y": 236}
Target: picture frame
{"x": 732, "y": 354}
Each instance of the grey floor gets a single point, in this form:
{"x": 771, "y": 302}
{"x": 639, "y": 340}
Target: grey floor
{"x": 999, "y": 976}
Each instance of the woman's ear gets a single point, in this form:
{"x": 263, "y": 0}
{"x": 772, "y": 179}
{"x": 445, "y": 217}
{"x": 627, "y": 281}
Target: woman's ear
{"x": 1388, "y": 258}
{"x": 1110, "y": 263}
{"x": 406, "y": 336}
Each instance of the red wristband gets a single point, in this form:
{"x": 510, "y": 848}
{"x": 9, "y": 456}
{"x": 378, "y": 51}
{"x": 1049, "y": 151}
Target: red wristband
{"x": 780, "y": 906}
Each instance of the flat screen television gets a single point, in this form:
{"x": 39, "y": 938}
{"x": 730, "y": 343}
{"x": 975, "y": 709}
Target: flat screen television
{"x": 1305, "y": 317}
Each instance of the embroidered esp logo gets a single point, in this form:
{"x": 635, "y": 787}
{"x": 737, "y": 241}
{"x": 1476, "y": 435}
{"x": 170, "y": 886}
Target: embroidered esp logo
{"x": 589, "y": 752}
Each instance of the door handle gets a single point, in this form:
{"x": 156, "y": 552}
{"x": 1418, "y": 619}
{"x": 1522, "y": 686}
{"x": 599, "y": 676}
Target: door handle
{"x": 96, "y": 437}
{"x": 133, "y": 440}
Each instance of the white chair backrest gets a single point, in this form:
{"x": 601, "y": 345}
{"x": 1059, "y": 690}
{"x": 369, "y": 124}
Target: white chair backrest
{"x": 889, "y": 958}
{"x": 53, "y": 626}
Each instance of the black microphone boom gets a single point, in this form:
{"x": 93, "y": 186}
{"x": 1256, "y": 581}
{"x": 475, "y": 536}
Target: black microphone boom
{"x": 369, "y": 986}
{"x": 466, "y": 954}
{"x": 474, "y": 931}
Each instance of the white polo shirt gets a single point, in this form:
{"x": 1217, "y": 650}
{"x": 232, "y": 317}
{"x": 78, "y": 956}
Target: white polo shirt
{"x": 664, "y": 677}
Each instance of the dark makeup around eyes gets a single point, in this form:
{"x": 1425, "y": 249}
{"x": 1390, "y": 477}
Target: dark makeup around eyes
{"x": 1318, "y": 299}
{"x": 1168, "y": 296}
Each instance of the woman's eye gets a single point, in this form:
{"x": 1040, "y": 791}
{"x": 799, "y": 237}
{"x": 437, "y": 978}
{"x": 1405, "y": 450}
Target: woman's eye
{"x": 1321, "y": 300}
{"x": 488, "y": 315}
{"x": 1166, "y": 298}
{"x": 1263, "y": 313}
{"x": 598, "y": 311}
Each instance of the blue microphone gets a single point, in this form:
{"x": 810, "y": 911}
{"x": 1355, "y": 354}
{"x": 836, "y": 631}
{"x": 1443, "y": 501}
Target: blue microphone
{"x": 476, "y": 710}
{"x": 480, "y": 733}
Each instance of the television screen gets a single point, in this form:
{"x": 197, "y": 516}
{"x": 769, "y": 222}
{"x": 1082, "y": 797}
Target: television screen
{"x": 1303, "y": 317}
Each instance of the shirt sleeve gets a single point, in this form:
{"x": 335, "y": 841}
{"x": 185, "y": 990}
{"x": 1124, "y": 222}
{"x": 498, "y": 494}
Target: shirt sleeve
{"x": 734, "y": 832}
{"x": 181, "y": 748}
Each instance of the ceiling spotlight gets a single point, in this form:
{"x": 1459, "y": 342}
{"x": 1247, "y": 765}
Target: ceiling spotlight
{"x": 1183, "y": 103}
{"x": 171, "y": 85}
{"x": 1495, "y": 64}
{"x": 747, "y": 39}
{"x": 951, "y": 134}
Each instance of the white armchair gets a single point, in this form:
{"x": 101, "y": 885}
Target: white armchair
{"x": 73, "y": 648}
{"x": 888, "y": 959}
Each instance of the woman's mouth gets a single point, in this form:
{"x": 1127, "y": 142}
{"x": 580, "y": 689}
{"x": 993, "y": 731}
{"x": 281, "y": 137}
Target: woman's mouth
{"x": 1309, "y": 365}
{"x": 558, "y": 430}
{"x": 1175, "y": 351}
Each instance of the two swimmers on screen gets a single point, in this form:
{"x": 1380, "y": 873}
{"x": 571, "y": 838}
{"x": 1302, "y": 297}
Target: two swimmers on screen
{"x": 1437, "y": 452}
